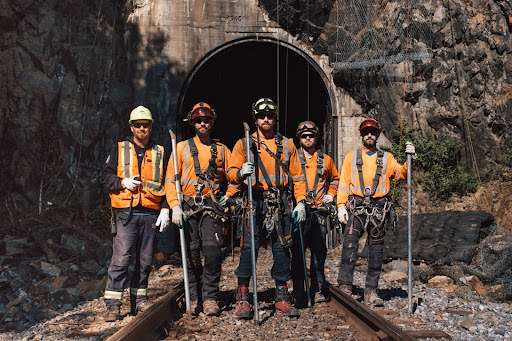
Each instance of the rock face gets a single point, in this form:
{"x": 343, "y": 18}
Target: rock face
{"x": 71, "y": 72}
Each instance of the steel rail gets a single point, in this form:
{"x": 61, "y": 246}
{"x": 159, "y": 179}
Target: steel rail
{"x": 371, "y": 325}
{"x": 147, "y": 324}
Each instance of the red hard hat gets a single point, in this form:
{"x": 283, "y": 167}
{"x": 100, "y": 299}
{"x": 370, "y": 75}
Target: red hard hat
{"x": 201, "y": 109}
{"x": 369, "y": 123}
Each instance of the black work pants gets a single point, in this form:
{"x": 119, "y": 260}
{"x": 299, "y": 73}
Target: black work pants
{"x": 204, "y": 235}
{"x": 313, "y": 236}
{"x": 281, "y": 254}
{"x": 353, "y": 232}
{"x": 132, "y": 245}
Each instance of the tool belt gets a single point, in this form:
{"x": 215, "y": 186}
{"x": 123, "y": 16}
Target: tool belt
{"x": 375, "y": 215}
{"x": 275, "y": 206}
{"x": 203, "y": 205}
{"x": 327, "y": 212}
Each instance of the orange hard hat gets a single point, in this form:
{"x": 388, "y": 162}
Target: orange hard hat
{"x": 369, "y": 123}
{"x": 201, "y": 109}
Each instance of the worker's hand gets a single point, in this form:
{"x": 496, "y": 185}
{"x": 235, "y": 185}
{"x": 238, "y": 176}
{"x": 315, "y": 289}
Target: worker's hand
{"x": 163, "y": 219}
{"x": 342, "y": 214}
{"x": 327, "y": 199}
{"x": 178, "y": 217}
{"x": 409, "y": 148}
{"x": 299, "y": 213}
{"x": 247, "y": 169}
{"x": 131, "y": 183}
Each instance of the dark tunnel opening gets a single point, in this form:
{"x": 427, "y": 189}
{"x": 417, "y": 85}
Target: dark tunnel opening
{"x": 236, "y": 76}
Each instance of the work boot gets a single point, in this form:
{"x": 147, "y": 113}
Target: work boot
{"x": 113, "y": 313}
{"x": 194, "y": 307}
{"x": 345, "y": 288}
{"x": 211, "y": 308}
{"x": 283, "y": 303}
{"x": 371, "y": 298}
{"x": 243, "y": 309}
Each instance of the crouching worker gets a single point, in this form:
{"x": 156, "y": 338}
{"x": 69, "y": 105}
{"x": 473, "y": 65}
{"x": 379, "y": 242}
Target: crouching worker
{"x": 135, "y": 182}
{"x": 364, "y": 205}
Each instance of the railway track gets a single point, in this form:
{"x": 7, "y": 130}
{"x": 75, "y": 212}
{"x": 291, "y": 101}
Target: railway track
{"x": 155, "y": 322}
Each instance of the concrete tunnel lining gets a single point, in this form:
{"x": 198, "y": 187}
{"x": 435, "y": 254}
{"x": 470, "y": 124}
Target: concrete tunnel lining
{"x": 232, "y": 76}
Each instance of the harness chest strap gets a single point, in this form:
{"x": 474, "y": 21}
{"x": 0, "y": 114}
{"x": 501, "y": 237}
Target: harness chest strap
{"x": 319, "y": 169}
{"x": 368, "y": 192}
{"x": 276, "y": 156}
{"x": 211, "y": 169}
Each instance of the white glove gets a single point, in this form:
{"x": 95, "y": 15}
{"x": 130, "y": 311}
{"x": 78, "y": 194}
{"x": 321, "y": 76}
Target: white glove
{"x": 178, "y": 217}
{"x": 223, "y": 200}
{"x": 342, "y": 214}
{"x": 247, "y": 169}
{"x": 409, "y": 148}
{"x": 299, "y": 213}
{"x": 130, "y": 183}
{"x": 327, "y": 199}
{"x": 163, "y": 219}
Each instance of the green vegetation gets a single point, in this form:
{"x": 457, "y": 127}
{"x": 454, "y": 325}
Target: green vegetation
{"x": 439, "y": 164}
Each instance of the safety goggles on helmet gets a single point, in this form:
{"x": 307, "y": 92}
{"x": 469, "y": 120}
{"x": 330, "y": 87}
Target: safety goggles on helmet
{"x": 307, "y": 127}
{"x": 264, "y": 105}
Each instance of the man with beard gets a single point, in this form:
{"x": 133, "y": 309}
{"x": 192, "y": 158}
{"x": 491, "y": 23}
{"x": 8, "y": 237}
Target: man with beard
{"x": 202, "y": 165}
{"x": 134, "y": 178}
{"x": 274, "y": 157}
{"x": 364, "y": 204}
{"x": 321, "y": 178}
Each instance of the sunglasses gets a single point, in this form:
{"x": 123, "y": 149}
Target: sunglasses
{"x": 370, "y": 131}
{"x": 141, "y": 125}
{"x": 269, "y": 115}
{"x": 200, "y": 120}
{"x": 307, "y": 136}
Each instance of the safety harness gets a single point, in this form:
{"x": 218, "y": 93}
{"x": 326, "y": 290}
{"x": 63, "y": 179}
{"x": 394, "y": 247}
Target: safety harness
{"x": 204, "y": 179}
{"x": 272, "y": 198}
{"x": 311, "y": 192}
{"x": 371, "y": 213}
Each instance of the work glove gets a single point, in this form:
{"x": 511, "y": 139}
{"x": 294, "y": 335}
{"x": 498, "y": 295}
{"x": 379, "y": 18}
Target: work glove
{"x": 299, "y": 213}
{"x": 409, "y": 148}
{"x": 131, "y": 183}
{"x": 178, "y": 217}
{"x": 247, "y": 169}
{"x": 327, "y": 199}
{"x": 163, "y": 219}
{"x": 224, "y": 201}
{"x": 342, "y": 214}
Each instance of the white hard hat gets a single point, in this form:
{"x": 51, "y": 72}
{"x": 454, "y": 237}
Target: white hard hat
{"x": 140, "y": 113}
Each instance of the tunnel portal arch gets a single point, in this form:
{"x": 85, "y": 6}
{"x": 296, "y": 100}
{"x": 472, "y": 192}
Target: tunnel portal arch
{"x": 232, "y": 76}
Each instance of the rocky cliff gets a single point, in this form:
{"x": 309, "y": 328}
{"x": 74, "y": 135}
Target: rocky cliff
{"x": 443, "y": 68}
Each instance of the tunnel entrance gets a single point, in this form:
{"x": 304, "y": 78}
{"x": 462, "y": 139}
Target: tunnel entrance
{"x": 235, "y": 75}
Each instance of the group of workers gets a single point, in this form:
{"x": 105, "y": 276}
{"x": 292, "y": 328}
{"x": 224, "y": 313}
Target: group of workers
{"x": 293, "y": 191}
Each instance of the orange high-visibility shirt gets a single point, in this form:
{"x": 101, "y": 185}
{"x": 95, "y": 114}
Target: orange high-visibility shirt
{"x": 329, "y": 177}
{"x": 349, "y": 177}
{"x": 289, "y": 157}
{"x": 186, "y": 171}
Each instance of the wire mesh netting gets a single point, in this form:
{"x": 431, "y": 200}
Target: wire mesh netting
{"x": 374, "y": 33}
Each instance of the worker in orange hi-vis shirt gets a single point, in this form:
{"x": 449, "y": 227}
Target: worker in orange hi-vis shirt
{"x": 202, "y": 165}
{"x": 275, "y": 161}
{"x": 364, "y": 204}
{"x": 321, "y": 186}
